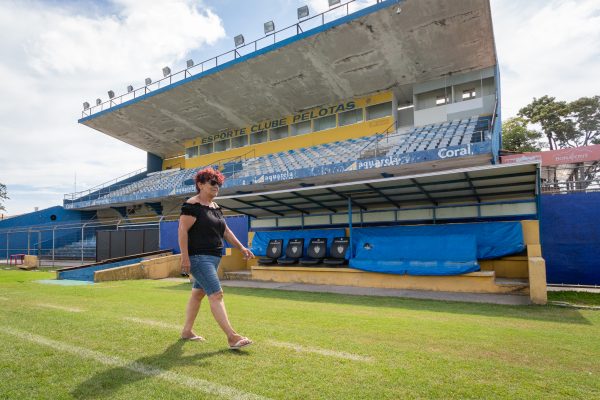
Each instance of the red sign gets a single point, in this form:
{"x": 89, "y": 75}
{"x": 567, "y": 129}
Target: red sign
{"x": 556, "y": 157}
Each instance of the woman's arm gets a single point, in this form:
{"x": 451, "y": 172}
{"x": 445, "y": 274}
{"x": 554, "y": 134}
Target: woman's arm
{"x": 231, "y": 239}
{"x": 185, "y": 223}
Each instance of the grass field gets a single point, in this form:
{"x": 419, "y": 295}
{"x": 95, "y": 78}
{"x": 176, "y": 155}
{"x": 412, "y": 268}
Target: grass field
{"x": 119, "y": 340}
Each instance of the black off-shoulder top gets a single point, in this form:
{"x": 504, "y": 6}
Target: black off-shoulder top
{"x": 206, "y": 235}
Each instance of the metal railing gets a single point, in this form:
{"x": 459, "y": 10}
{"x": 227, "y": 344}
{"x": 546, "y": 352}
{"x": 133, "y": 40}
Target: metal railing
{"x": 372, "y": 148}
{"x": 381, "y": 144}
{"x": 75, "y": 242}
{"x": 563, "y": 179}
{"x": 315, "y": 21}
{"x": 107, "y": 184}
{"x": 96, "y": 193}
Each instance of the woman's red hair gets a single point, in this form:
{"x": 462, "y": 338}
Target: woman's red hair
{"x": 207, "y": 174}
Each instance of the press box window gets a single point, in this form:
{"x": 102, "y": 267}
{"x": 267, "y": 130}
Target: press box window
{"x": 191, "y": 152}
{"x": 239, "y": 141}
{"x": 206, "y": 148}
{"x": 320, "y": 124}
{"x": 222, "y": 145}
{"x": 259, "y": 137}
{"x": 469, "y": 94}
{"x": 351, "y": 117}
{"x": 441, "y": 100}
{"x": 379, "y": 111}
{"x": 279, "y": 133}
{"x": 301, "y": 128}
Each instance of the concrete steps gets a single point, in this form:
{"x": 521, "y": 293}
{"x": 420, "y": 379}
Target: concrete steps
{"x": 515, "y": 285}
{"x": 238, "y": 275}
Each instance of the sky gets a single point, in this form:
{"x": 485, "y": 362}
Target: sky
{"x": 56, "y": 54}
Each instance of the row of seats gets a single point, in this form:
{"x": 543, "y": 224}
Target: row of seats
{"x": 316, "y": 252}
{"x": 157, "y": 181}
{"x": 429, "y": 137}
{"x": 433, "y": 136}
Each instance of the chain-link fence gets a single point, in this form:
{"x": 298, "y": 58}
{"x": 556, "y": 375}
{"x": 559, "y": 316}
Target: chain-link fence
{"x": 59, "y": 243}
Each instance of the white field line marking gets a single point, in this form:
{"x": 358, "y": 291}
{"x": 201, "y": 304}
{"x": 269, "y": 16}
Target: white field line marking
{"x": 297, "y": 347}
{"x": 63, "y": 308}
{"x": 158, "y": 324}
{"x": 323, "y": 352}
{"x": 173, "y": 377}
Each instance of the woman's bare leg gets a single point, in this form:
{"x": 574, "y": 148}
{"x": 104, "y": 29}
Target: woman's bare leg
{"x": 217, "y": 306}
{"x": 191, "y": 312}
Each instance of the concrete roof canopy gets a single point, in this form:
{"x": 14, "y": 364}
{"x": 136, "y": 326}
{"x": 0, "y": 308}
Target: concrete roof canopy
{"x": 371, "y": 50}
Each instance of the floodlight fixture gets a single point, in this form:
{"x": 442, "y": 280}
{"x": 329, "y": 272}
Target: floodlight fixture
{"x": 239, "y": 40}
{"x": 148, "y": 81}
{"x": 190, "y": 63}
{"x": 129, "y": 89}
{"x": 269, "y": 27}
{"x": 98, "y": 102}
{"x": 86, "y": 105}
{"x": 303, "y": 12}
{"x": 333, "y": 2}
{"x": 111, "y": 94}
{"x": 166, "y": 71}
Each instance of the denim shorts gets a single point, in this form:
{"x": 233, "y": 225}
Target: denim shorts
{"x": 203, "y": 269}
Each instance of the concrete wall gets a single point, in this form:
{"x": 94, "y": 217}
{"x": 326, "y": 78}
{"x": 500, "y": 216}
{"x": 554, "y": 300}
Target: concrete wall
{"x": 475, "y": 282}
{"x": 453, "y": 80}
{"x": 406, "y": 118}
{"x": 536, "y": 264}
{"x": 464, "y": 109}
{"x": 425, "y": 94}
{"x": 156, "y": 268}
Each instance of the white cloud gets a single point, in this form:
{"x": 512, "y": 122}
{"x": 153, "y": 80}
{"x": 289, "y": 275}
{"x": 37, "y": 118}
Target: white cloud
{"x": 319, "y": 6}
{"x": 52, "y": 58}
{"x": 547, "y": 47}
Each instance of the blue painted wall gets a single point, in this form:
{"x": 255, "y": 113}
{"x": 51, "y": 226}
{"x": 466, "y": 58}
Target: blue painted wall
{"x": 18, "y": 241}
{"x": 168, "y": 232}
{"x": 570, "y": 235}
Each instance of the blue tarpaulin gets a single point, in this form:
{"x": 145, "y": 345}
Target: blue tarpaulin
{"x": 494, "y": 239}
{"x": 416, "y": 250}
{"x": 417, "y": 255}
{"x": 261, "y": 238}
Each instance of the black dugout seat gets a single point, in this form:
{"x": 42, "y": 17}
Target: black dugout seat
{"x": 293, "y": 252}
{"x": 274, "y": 249}
{"x": 337, "y": 252}
{"x": 317, "y": 249}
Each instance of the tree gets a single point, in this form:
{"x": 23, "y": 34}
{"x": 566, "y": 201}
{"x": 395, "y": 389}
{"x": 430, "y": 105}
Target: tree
{"x": 3, "y": 196}
{"x": 516, "y": 136}
{"x": 552, "y": 116}
{"x": 585, "y": 113}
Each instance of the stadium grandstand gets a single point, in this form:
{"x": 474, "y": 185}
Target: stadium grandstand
{"x": 374, "y": 120}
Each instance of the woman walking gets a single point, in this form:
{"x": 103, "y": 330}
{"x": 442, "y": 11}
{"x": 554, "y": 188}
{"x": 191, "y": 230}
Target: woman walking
{"x": 202, "y": 229}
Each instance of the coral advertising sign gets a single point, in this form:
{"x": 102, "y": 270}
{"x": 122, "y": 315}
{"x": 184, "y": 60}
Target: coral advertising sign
{"x": 557, "y": 157}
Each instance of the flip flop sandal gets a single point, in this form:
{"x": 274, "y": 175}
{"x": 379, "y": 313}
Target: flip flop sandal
{"x": 240, "y": 343}
{"x": 195, "y": 338}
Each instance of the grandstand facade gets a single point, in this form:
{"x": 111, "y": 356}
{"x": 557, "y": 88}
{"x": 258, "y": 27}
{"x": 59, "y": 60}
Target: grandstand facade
{"x": 365, "y": 90}
{"x": 374, "y": 113}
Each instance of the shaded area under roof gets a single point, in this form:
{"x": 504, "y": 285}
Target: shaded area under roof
{"x": 480, "y": 184}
